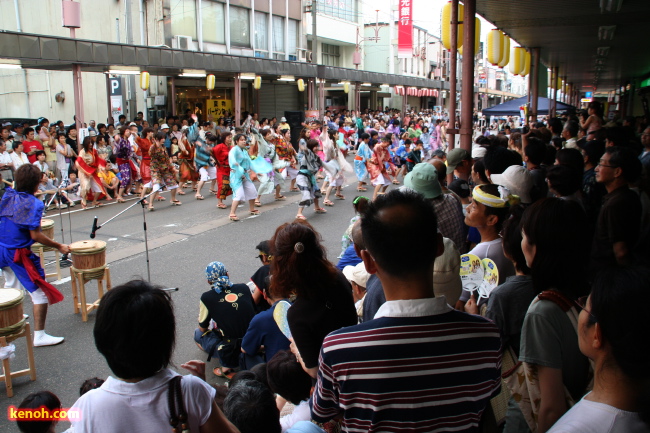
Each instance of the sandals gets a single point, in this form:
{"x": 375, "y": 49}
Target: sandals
{"x": 233, "y": 217}
{"x": 214, "y": 192}
{"x": 176, "y": 203}
{"x": 84, "y": 206}
{"x": 151, "y": 208}
{"x": 119, "y": 200}
{"x": 180, "y": 192}
{"x": 320, "y": 210}
{"x": 199, "y": 197}
{"x": 280, "y": 198}
{"x": 222, "y": 206}
{"x": 361, "y": 189}
{"x": 328, "y": 202}
{"x": 257, "y": 203}
{"x": 254, "y": 212}
{"x": 294, "y": 189}
{"x": 395, "y": 182}
{"x": 340, "y": 196}
{"x": 301, "y": 217}
{"x": 160, "y": 198}
{"x": 223, "y": 372}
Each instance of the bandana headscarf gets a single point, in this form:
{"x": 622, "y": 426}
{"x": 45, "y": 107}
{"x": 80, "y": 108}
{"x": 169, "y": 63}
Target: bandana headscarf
{"x": 505, "y": 198}
{"x": 217, "y": 276}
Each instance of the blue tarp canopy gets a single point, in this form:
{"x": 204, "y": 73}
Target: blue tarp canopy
{"x": 511, "y": 108}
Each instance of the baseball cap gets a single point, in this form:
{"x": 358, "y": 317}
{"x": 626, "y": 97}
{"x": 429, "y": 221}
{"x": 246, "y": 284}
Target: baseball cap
{"x": 460, "y": 187}
{"x": 478, "y": 152}
{"x": 455, "y": 157}
{"x": 283, "y": 119}
{"x": 92, "y": 134}
{"x": 164, "y": 126}
{"x": 133, "y": 124}
{"x": 424, "y": 179}
{"x": 518, "y": 180}
{"x": 357, "y": 274}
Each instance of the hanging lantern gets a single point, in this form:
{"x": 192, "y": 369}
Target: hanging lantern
{"x": 517, "y": 60}
{"x": 301, "y": 85}
{"x": 346, "y": 87}
{"x": 210, "y": 81}
{"x": 505, "y": 53}
{"x": 494, "y": 46}
{"x": 257, "y": 82}
{"x": 144, "y": 80}
{"x": 559, "y": 83}
{"x": 477, "y": 37}
{"x": 445, "y": 25}
{"x": 527, "y": 59}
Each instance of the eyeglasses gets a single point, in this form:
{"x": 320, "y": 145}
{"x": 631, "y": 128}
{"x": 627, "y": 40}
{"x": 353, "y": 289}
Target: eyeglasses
{"x": 581, "y": 303}
{"x": 600, "y": 164}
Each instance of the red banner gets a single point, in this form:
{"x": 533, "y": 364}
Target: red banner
{"x": 405, "y": 30}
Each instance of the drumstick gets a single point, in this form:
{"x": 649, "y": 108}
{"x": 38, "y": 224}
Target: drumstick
{"x": 11, "y": 184}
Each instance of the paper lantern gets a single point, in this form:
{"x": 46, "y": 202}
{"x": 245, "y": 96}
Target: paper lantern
{"x": 144, "y": 80}
{"x": 346, "y": 87}
{"x": 445, "y": 25}
{"x": 257, "y": 82}
{"x": 559, "y": 83}
{"x": 209, "y": 81}
{"x": 527, "y": 60}
{"x": 505, "y": 53}
{"x": 495, "y": 46}
{"x": 301, "y": 85}
{"x": 477, "y": 37}
{"x": 517, "y": 60}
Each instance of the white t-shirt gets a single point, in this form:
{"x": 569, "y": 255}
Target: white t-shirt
{"x": 142, "y": 407}
{"x": 591, "y": 417}
{"x": 302, "y": 412}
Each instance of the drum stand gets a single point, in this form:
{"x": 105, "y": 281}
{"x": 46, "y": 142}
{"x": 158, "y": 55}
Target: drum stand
{"x": 78, "y": 279}
{"x": 144, "y": 225}
{"x": 6, "y": 366}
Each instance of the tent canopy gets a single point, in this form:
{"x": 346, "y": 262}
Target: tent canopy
{"x": 511, "y": 108}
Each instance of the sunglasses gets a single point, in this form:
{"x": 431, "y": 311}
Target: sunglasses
{"x": 581, "y": 303}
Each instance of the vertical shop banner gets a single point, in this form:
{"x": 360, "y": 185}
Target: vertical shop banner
{"x": 405, "y": 30}
{"x": 116, "y": 98}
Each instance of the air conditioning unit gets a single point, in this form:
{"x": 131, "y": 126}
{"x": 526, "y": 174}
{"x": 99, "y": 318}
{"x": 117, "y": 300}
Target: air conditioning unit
{"x": 181, "y": 42}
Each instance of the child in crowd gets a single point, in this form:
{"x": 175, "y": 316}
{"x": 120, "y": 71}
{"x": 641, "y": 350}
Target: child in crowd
{"x": 360, "y": 205}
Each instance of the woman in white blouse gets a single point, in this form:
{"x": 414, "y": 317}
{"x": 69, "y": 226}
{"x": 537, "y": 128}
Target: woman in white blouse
{"x": 18, "y": 157}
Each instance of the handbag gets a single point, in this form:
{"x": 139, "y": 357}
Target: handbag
{"x": 177, "y": 412}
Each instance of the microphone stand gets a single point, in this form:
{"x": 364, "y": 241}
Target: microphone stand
{"x": 144, "y": 225}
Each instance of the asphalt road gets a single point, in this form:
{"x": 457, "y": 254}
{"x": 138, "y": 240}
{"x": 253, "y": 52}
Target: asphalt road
{"x": 182, "y": 241}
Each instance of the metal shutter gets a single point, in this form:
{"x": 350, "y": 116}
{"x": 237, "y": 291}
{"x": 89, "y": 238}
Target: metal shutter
{"x": 275, "y": 99}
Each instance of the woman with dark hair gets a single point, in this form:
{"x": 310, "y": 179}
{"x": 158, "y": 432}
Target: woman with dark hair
{"x": 553, "y": 240}
{"x": 310, "y": 164}
{"x": 20, "y": 227}
{"x": 144, "y": 143}
{"x": 220, "y": 153}
{"x": 163, "y": 173}
{"x": 612, "y": 332}
{"x": 323, "y": 295}
{"x": 88, "y": 165}
{"x": 123, "y": 158}
{"x": 135, "y": 330}
{"x": 241, "y": 177}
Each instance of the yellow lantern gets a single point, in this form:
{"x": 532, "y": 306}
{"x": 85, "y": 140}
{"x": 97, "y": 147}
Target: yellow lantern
{"x": 301, "y": 85}
{"x": 144, "y": 80}
{"x": 477, "y": 37}
{"x": 257, "y": 82}
{"x": 527, "y": 59}
{"x": 517, "y": 60}
{"x": 494, "y": 46}
{"x": 346, "y": 87}
{"x": 559, "y": 83}
{"x": 505, "y": 51}
{"x": 445, "y": 25}
{"x": 210, "y": 81}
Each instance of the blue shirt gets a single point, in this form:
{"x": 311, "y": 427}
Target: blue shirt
{"x": 349, "y": 258}
{"x": 263, "y": 331}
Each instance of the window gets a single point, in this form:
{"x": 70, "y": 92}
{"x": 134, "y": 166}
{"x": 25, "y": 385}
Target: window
{"x": 183, "y": 15}
{"x": 213, "y": 22}
{"x": 293, "y": 37}
{"x": 343, "y": 9}
{"x": 261, "y": 31}
{"x": 331, "y": 54}
{"x": 278, "y": 34}
{"x": 239, "y": 27}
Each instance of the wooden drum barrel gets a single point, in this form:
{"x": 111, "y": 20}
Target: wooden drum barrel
{"x": 11, "y": 311}
{"x": 88, "y": 255}
{"x": 47, "y": 227}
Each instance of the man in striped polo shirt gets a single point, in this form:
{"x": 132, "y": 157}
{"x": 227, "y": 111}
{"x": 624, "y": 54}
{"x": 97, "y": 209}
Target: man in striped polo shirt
{"x": 419, "y": 366}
